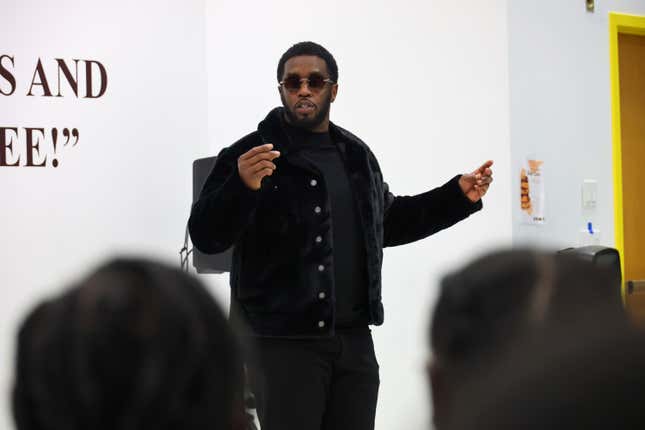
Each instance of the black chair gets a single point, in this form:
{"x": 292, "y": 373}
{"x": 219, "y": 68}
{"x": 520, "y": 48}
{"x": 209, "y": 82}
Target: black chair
{"x": 600, "y": 256}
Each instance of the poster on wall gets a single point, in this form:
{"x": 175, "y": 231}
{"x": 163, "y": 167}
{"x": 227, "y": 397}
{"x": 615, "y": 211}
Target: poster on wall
{"x": 532, "y": 191}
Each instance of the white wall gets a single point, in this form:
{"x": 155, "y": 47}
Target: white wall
{"x": 126, "y": 185}
{"x": 425, "y": 84}
{"x": 173, "y": 95}
{"x": 561, "y": 111}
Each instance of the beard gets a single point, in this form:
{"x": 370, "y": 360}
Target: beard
{"x": 308, "y": 123}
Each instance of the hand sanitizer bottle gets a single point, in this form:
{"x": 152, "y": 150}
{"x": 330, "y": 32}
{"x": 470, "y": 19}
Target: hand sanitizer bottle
{"x": 589, "y": 236}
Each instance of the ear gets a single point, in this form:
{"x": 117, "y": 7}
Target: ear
{"x": 334, "y": 91}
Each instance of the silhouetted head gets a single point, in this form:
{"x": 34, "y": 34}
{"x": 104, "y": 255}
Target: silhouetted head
{"x": 136, "y": 345}
{"x": 485, "y": 307}
{"x": 581, "y": 377}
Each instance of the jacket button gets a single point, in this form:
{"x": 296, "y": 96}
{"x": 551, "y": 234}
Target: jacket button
{"x": 321, "y": 268}
{"x": 321, "y": 295}
{"x": 321, "y": 324}
{"x": 317, "y": 209}
{"x": 318, "y": 239}
{"x": 313, "y": 182}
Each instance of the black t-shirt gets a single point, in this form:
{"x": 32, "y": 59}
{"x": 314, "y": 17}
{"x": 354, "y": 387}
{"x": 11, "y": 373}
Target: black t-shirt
{"x": 348, "y": 246}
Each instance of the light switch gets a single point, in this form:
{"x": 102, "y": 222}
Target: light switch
{"x": 589, "y": 193}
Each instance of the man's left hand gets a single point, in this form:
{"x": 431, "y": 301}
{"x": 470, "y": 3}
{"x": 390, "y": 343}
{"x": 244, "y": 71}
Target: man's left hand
{"x": 475, "y": 184}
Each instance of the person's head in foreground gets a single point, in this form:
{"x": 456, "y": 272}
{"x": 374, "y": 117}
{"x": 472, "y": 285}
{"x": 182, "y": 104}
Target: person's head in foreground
{"x": 586, "y": 377}
{"x": 499, "y": 299}
{"x": 135, "y": 345}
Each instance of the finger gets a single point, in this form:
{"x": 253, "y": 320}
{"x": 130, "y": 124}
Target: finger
{"x": 488, "y": 173}
{"x": 264, "y": 164}
{"x": 271, "y": 155}
{"x": 256, "y": 150}
{"x": 485, "y": 180}
{"x": 264, "y": 172}
{"x": 483, "y": 183}
{"x": 484, "y": 166}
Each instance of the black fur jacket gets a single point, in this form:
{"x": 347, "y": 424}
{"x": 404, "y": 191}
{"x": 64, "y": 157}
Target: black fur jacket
{"x": 279, "y": 270}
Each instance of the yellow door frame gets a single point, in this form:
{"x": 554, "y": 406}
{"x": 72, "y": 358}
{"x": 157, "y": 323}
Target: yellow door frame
{"x": 625, "y": 24}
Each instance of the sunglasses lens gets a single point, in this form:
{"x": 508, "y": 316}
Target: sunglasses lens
{"x": 292, "y": 83}
{"x": 316, "y": 82}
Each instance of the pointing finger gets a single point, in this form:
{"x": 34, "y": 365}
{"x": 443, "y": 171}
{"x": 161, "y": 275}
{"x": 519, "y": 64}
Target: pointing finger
{"x": 485, "y": 166}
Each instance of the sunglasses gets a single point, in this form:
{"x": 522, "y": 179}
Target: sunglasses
{"x": 315, "y": 82}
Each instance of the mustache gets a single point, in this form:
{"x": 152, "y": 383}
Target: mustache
{"x": 305, "y": 102}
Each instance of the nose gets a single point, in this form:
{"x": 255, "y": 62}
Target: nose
{"x": 304, "y": 90}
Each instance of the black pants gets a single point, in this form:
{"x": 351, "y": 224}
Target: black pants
{"x": 316, "y": 384}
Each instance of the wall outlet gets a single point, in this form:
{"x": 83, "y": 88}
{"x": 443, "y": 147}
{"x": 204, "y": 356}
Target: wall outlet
{"x": 589, "y": 194}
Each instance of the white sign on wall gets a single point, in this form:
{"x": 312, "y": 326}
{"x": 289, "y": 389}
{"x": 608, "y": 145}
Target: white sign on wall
{"x": 532, "y": 192}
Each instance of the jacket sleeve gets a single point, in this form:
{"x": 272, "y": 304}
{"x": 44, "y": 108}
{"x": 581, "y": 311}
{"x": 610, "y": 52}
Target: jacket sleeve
{"x": 224, "y": 207}
{"x": 411, "y": 218}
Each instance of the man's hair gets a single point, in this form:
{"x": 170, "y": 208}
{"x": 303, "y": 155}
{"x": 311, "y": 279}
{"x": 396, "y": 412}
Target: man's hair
{"x": 494, "y": 300}
{"x": 136, "y": 345}
{"x": 309, "y": 48}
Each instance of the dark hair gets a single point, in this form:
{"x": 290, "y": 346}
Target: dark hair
{"x": 309, "y": 48}
{"x": 136, "y": 345}
{"x": 483, "y": 307}
{"x": 582, "y": 377}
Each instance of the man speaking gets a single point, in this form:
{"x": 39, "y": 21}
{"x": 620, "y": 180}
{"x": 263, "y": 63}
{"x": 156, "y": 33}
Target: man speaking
{"x": 305, "y": 205}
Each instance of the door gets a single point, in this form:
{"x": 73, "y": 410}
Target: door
{"x": 631, "y": 85}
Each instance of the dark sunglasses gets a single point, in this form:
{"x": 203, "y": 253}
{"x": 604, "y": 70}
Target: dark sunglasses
{"x": 315, "y": 82}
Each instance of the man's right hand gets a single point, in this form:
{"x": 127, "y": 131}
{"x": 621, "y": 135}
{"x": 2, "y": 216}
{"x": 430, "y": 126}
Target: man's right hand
{"x": 256, "y": 164}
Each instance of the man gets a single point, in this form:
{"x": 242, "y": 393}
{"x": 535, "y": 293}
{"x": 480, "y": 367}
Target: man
{"x": 304, "y": 203}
